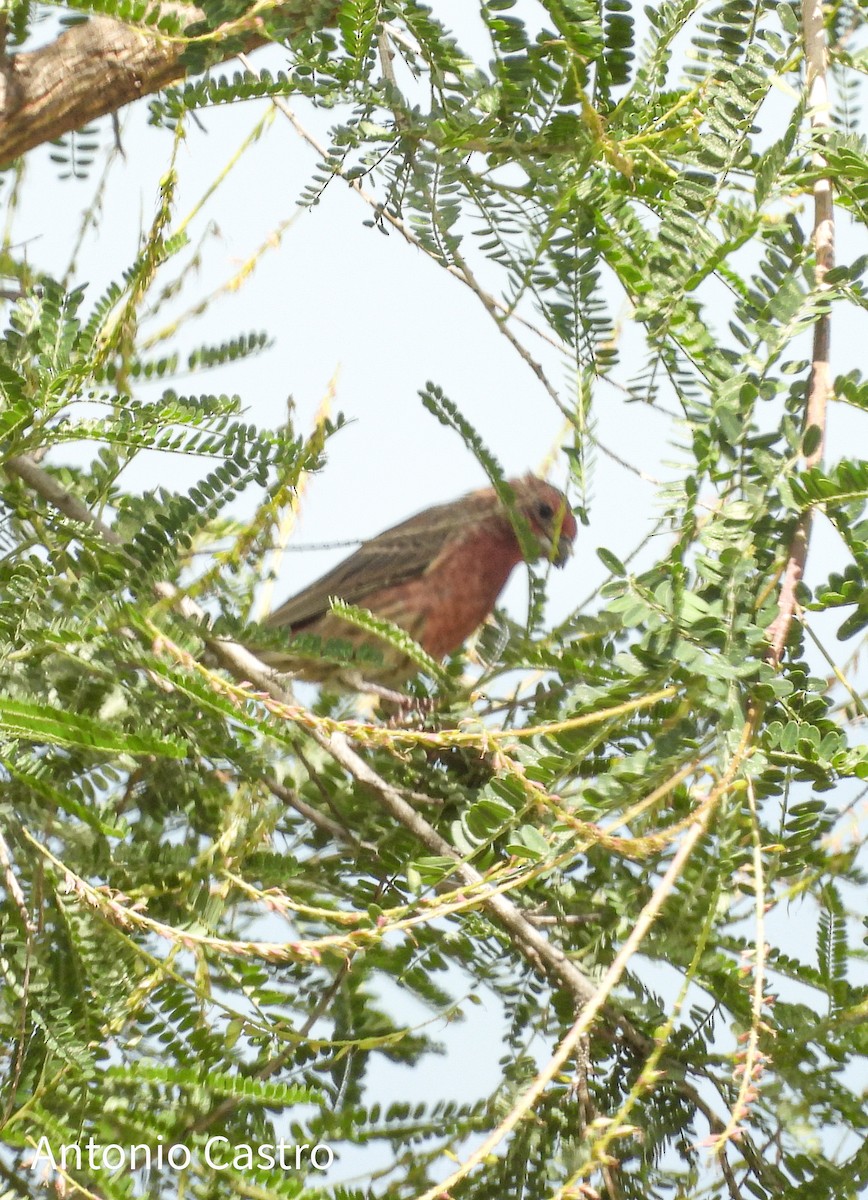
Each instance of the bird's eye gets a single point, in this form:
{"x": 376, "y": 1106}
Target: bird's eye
{"x": 545, "y": 510}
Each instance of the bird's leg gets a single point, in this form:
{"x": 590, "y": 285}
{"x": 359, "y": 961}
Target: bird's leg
{"x": 412, "y": 711}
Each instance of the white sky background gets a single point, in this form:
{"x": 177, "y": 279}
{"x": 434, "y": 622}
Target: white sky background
{"x": 337, "y": 295}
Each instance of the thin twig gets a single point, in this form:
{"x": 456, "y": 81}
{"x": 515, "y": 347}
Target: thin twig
{"x": 322, "y": 822}
{"x": 273, "y": 1065}
{"x": 820, "y": 381}
{"x": 542, "y": 919}
{"x": 14, "y": 887}
{"x": 622, "y": 462}
{"x": 39, "y": 481}
{"x": 751, "y": 1061}
{"x": 729, "y": 1177}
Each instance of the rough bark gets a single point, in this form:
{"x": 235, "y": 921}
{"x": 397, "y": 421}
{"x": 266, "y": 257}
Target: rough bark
{"x": 98, "y": 67}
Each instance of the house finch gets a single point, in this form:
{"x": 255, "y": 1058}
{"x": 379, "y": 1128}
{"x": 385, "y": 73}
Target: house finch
{"x": 436, "y": 575}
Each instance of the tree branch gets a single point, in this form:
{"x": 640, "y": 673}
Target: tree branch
{"x": 820, "y": 380}
{"x": 98, "y": 67}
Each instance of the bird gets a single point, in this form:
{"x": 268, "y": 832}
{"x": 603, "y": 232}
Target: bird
{"x": 437, "y": 575}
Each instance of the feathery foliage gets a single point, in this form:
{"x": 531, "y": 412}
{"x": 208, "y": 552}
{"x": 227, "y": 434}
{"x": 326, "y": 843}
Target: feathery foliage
{"x": 210, "y": 926}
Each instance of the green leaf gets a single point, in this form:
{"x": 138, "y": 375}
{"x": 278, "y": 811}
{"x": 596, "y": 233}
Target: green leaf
{"x": 43, "y": 723}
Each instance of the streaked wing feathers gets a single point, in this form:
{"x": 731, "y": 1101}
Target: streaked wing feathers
{"x": 403, "y": 552}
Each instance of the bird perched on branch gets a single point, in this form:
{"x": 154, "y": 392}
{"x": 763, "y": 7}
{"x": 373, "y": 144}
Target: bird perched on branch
{"x": 436, "y": 575}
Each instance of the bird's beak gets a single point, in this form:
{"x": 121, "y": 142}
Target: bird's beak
{"x": 563, "y": 551}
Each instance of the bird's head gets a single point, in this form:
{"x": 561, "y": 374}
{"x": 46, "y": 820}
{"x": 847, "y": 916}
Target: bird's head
{"x": 547, "y": 512}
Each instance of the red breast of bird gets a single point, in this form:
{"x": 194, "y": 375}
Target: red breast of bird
{"x": 437, "y": 575}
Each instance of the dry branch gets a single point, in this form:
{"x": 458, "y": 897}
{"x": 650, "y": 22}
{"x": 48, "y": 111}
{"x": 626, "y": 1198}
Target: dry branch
{"x": 820, "y": 379}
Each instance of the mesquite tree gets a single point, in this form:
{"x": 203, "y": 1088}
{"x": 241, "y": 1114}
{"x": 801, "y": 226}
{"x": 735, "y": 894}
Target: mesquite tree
{"x": 217, "y": 901}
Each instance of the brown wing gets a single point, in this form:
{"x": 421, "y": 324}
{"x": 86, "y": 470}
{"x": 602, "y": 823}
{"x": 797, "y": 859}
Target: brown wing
{"x": 403, "y": 552}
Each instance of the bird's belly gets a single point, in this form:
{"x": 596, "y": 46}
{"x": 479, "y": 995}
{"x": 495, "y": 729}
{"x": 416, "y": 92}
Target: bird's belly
{"x": 445, "y": 605}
